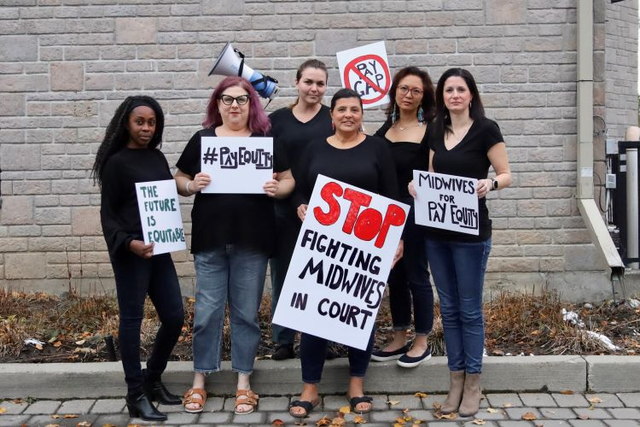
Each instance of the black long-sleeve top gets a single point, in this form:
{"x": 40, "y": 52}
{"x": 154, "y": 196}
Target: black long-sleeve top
{"x": 119, "y": 212}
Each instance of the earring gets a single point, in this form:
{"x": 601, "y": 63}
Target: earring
{"x": 333, "y": 126}
{"x": 421, "y": 115}
{"x": 394, "y": 114}
{"x": 469, "y": 105}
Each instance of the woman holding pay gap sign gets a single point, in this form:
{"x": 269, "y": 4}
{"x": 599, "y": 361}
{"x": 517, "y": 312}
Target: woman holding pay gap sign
{"x": 463, "y": 143}
{"x": 232, "y": 238}
{"x": 364, "y": 161}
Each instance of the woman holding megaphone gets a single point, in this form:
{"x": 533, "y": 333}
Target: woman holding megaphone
{"x": 231, "y": 240}
{"x": 293, "y": 127}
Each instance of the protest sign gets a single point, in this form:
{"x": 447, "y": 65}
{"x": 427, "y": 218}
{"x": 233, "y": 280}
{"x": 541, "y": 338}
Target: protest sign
{"x": 160, "y": 216}
{"x": 237, "y": 165}
{"x": 446, "y": 201}
{"x": 338, "y": 272}
{"x": 365, "y": 69}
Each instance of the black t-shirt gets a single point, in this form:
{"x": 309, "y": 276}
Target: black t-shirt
{"x": 246, "y": 220}
{"x": 407, "y": 156}
{"x": 119, "y": 212}
{"x": 368, "y": 166}
{"x": 468, "y": 159}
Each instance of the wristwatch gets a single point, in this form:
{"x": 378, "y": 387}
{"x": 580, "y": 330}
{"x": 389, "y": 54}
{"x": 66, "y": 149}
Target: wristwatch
{"x": 494, "y": 184}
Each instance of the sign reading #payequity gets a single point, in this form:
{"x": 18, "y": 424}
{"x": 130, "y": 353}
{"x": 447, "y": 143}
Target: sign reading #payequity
{"x": 338, "y": 272}
{"x": 237, "y": 165}
{"x": 160, "y": 216}
{"x": 446, "y": 201}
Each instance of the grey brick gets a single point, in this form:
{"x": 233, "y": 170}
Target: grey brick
{"x": 43, "y": 407}
{"x": 587, "y": 423}
{"x": 557, "y": 413}
{"x": 622, "y": 423}
{"x": 593, "y": 414}
{"x": 625, "y": 413}
{"x": 504, "y": 400}
{"x": 108, "y": 406}
{"x": 13, "y": 420}
{"x": 630, "y": 399}
{"x": 13, "y": 408}
{"x": 76, "y": 406}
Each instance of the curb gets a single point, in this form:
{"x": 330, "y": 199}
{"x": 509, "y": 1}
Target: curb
{"x": 501, "y": 374}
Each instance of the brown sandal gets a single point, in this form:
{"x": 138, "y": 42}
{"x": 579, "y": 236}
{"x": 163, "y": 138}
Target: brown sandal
{"x": 246, "y": 397}
{"x": 190, "y": 398}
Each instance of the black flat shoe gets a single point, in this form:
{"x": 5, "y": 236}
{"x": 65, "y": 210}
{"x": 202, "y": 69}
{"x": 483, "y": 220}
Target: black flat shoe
{"x": 284, "y": 352}
{"x": 383, "y": 356}
{"x": 159, "y": 393}
{"x": 140, "y": 406}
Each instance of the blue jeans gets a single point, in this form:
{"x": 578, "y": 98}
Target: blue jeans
{"x": 458, "y": 271}
{"x": 235, "y": 275}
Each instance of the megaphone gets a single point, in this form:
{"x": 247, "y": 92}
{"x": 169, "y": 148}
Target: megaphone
{"x": 231, "y": 63}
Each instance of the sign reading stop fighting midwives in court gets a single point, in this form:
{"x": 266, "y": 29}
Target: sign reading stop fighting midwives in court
{"x": 446, "y": 201}
{"x": 160, "y": 216}
{"x": 237, "y": 165}
{"x": 338, "y": 272}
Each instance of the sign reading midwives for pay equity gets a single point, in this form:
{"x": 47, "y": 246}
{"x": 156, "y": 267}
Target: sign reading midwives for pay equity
{"x": 365, "y": 69}
{"x": 446, "y": 201}
{"x": 160, "y": 216}
{"x": 341, "y": 263}
{"x": 237, "y": 165}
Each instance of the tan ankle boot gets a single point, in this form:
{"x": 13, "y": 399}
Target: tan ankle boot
{"x": 456, "y": 385}
{"x": 471, "y": 396}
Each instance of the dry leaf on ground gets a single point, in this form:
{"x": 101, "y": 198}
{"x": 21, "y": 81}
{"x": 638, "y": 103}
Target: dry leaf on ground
{"x": 83, "y": 424}
{"x": 437, "y": 406}
{"x": 2, "y": 410}
{"x": 583, "y": 416}
{"x": 421, "y": 395}
{"x": 567, "y": 392}
{"x": 479, "y": 422}
{"x": 393, "y": 402}
{"x": 345, "y": 410}
{"x": 337, "y": 422}
{"x": 492, "y": 410}
{"x": 324, "y": 421}
{"x": 594, "y": 399}
{"x": 359, "y": 419}
{"x": 451, "y": 416}
{"x": 529, "y": 416}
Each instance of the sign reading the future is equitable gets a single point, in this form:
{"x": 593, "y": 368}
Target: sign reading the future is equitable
{"x": 338, "y": 272}
{"x": 446, "y": 201}
{"x": 160, "y": 216}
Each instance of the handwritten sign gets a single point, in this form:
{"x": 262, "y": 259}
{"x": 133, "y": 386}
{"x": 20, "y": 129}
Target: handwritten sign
{"x": 237, "y": 165}
{"x": 160, "y": 216}
{"x": 338, "y": 272}
{"x": 446, "y": 201}
{"x": 365, "y": 69}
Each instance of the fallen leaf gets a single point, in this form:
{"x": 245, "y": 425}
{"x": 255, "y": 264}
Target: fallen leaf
{"x": 595, "y": 399}
{"x": 277, "y": 422}
{"x": 55, "y": 416}
{"x": 39, "y": 346}
{"x": 337, "y": 422}
{"x": 80, "y": 342}
{"x": 416, "y": 422}
{"x": 437, "y": 406}
{"x": 17, "y": 401}
{"x": 69, "y": 416}
{"x": 498, "y": 353}
{"x": 400, "y": 420}
{"x": 359, "y": 419}
{"x": 407, "y": 418}
{"x": 324, "y": 421}
{"x": 133, "y": 425}
{"x": 52, "y": 425}
{"x": 405, "y": 410}
{"x": 345, "y": 410}
{"x": 583, "y": 416}
{"x": 567, "y": 392}
{"x": 529, "y": 416}
{"x": 109, "y": 425}
{"x": 421, "y": 395}
{"x": 479, "y": 422}
{"x": 83, "y": 424}
{"x": 451, "y": 416}
{"x": 492, "y": 410}
{"x": 2, "y": 410}
{"x": 398, "y": 425}
{"x": 393, "y": 402}
{"x": 507, "y": 405}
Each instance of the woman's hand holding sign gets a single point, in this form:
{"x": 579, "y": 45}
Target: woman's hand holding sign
{"x": 483, "y": 188}
{"x": 139, "y": 248}
{"x": 200, "y": 181}
{"x": 302, "y": 212}
{"x": 399, "y": 253}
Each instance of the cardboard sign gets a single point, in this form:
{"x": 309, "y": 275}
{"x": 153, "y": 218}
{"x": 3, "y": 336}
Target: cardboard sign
{"x": 160, "y": 216}
{"x": 338, "y": 272}
{"x": 237, "y": 165}
{"x": 365, "y": 69}
{"x": 446, "y": 201}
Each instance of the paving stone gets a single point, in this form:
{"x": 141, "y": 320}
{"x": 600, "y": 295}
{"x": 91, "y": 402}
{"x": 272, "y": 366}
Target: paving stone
{"x": 380, "y": 402}
{"x": 504, "y": 400}
{"x": 43, "y": 407}
{"x": 557, "y": 413}
{"x": 384, "y": 416}
{"x": 13, "y": 408}
{"x": 625, "y": 413}
{"x": 334, "y": 402}
{"x": 285, "y": 417}
{"x": 570, "y": 400}
{"x": 514, "y": 423}
{"x": 554, "y": 423}
{"x": 108, "y": 406}
{"x": 215, "y": 417}
{"x": 424, "y": 415}
{"x": 537, "y": 400}
{"x": 170, "y": 409}
{"x": 608, "y": 400}
{"x": 274, "y": 403}
{"x": 76, "y": 406}
{"x": 43, "y": 420}
{"x": 428, "y": 401}
{"x": 630, "y": 399}
{"x": 14, "y": 420}
{"x": 622, "y": 423}
{"x": 254, "y": 418}
{"x": 181, "y": 418}
{"x": 407, "y": 401}
{"x": 517, "y": 413}
{"x": 485, "y": 414}
{"x": 587, "y": 423}
{"x": 593, "y": 414}
{"x": 213, "y": 404}
{"x": 113, "y": 419}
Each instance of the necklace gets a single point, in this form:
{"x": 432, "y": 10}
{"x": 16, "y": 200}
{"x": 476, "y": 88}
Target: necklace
{"x": 401, "y": 128}
{"x": 463, "y": 132}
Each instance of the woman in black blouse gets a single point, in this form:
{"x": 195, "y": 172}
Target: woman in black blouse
{"x": 129, "y": 154}
{"x": 408, "y": 116}
{"x": 363, "y": 161}
{"x": 232, "y": 237}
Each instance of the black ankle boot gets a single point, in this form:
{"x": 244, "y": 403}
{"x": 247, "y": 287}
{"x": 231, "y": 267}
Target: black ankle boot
{"x": 140, "y": 406}
{"x": 159, "y": 393}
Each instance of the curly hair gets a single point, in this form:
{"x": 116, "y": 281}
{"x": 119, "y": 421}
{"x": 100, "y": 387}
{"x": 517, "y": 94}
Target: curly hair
{"x": 259, "y": 123}
{"x": 428, "y": 98}
{"x": 116, "y": 135}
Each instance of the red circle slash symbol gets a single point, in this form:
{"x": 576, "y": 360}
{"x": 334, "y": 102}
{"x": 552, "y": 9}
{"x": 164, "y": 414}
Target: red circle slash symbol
{"x": 369, "y": 76}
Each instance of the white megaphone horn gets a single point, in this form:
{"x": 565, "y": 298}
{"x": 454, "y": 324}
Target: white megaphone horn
{"x": 231, "y": 63}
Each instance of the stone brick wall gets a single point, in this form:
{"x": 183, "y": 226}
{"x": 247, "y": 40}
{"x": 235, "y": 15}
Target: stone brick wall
{"x": 65, "y": 67}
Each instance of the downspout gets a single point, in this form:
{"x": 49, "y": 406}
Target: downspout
{"x": 586, "y": 203}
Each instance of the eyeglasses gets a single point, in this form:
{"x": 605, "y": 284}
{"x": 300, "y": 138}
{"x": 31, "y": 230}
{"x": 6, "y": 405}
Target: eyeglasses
{"x": 405, "y": 89}
{"x": 228, "y": 99}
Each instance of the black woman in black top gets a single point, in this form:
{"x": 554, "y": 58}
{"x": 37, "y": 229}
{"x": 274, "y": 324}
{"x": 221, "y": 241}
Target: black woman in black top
{"x": 294, "y": 127}
{"x": 129, "y": 154}
{"x": 406, "y": 131}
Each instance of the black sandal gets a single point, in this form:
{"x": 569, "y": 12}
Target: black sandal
{"x": 355, "y": 401}
{"x": 304, "y": 404}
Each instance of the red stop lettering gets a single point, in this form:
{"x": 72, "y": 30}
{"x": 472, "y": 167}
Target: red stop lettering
{"x": 395, "y": 216}
{"x": 357, "y": 199}
{"x": 327, "y": 193}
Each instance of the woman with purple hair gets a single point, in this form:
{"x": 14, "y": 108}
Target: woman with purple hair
{"x": 231, "y": 240}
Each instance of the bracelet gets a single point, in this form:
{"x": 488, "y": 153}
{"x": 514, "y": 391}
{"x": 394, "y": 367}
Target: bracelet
{"x": 186, "y": 186}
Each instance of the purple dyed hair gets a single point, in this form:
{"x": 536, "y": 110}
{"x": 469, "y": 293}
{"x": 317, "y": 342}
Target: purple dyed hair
{"x": 258, "y": 120}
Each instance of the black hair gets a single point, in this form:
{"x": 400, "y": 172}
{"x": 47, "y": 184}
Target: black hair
{"x": 342, "y": 94}
{"x": 116, "y": 135}
{"x": 428, "y": 97}
{"x": 476, "y": 111}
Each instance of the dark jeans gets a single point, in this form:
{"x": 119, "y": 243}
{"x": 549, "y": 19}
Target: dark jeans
{"x": 287, "y": 229}
{"x": 312, "y": 357}
{"x": 135, "y": 278}
{"x": 409, "y": 281}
